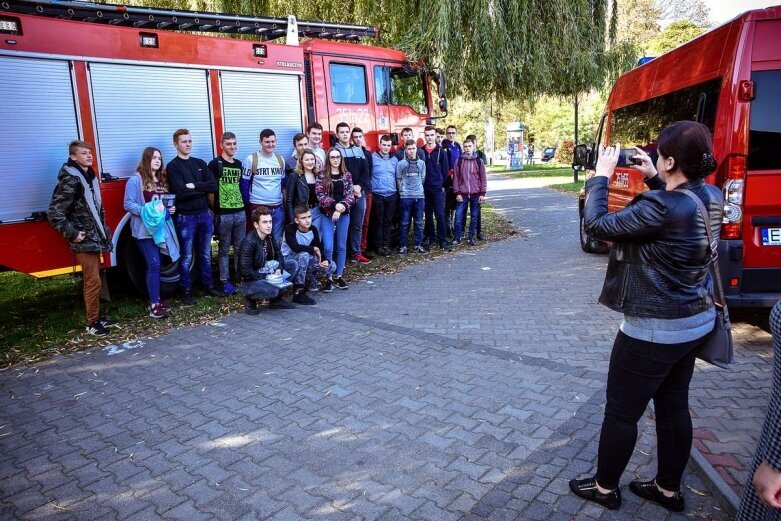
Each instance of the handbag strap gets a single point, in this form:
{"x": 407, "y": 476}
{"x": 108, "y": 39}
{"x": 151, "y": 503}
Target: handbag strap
{"x": 712, "y": 246}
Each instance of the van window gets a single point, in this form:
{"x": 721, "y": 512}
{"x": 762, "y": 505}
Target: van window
{"x": 640, "y": 124}
{"x": 407, "y": 89}
{"x": 348, "y": 83}
{"x": 764, "y": 138}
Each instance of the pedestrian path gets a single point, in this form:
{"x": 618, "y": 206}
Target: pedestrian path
{"x": 466, "y": 388}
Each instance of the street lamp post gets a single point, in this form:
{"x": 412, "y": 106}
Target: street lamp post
{"x": 575, "y": 170}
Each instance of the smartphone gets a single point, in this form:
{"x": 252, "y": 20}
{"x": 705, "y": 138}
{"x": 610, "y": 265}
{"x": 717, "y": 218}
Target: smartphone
{"x": 628, "y": 157}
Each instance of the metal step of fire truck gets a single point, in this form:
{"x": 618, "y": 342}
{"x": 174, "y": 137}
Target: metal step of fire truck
{"x": 182, "y": 20}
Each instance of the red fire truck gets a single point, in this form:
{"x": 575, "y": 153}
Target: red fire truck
{"x": 729, "y": 79}
{"x": 125, "y": 78}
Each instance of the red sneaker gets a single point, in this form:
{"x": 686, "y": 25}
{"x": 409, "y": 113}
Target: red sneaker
{"x": 358, "y": 257}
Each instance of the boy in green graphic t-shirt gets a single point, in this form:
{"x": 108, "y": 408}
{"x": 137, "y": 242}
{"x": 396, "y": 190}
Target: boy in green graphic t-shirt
{"x": 228, "y": 207}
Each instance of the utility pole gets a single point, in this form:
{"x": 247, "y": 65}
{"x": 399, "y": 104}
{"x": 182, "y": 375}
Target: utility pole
{"x": 575, "y": 170}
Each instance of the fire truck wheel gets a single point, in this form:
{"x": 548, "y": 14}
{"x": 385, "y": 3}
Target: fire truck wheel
{"x": 134, "y": 266}
{"x": 588, "y": 243}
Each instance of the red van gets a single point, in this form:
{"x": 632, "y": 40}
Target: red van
{"x": 729, "y": 79}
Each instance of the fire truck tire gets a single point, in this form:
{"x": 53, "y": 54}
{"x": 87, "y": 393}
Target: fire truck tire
{"x": 588, "y": 243}
{"x": 134, "y": 266}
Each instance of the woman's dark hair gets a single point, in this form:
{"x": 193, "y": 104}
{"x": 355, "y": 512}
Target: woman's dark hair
{"x": 689, "y": 144}
{"x": 327, "y": 173}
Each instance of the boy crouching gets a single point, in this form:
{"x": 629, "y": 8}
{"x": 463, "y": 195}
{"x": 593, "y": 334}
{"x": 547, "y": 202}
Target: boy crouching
{"x": 261, "y": 264}
{"x": 302, "y": 246}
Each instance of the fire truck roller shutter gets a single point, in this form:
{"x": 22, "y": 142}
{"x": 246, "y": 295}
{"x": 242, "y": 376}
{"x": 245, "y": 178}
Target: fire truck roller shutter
{"x": 140, "y": 106}
{"x": 253, "y": 101}
{"x": 39, "y": 119}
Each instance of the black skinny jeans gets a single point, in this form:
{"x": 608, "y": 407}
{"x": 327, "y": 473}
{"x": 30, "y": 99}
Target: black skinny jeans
{"x": 383, "y": 211}
{"x": 641, "y": 371}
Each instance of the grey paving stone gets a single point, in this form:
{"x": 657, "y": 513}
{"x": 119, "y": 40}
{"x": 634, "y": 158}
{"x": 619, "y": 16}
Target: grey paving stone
{"x": 445, "y": 391}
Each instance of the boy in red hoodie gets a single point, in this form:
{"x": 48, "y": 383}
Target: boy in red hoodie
{"x": 469, "y": 185}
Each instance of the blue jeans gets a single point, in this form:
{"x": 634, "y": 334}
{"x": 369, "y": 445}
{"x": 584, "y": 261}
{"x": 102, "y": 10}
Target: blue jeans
{"x": 231, "y": 231}
{"x": 341, "y": 228}
{"x": 474, "y": 216}
{"x": 317, "y": 215}
{"x": 308, "y": 269}
{"x": 435, "y": 206}
{"x": 411, "y": 209}
{"x": 151, "y": 253}
{"x": 260, "y": 290}
{"x": 195, "y": 233}
{"x": 356, "y": 223}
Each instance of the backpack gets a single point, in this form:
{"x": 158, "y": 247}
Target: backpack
{"x": 254, "y": 170}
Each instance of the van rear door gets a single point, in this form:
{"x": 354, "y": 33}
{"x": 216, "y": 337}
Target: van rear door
{"x": 762, "y": 206}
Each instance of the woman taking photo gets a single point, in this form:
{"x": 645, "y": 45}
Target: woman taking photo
{"x": 335, "y": 196}
{"x": 658, "y": 277}
{"x": 150, "y": 184}
{"x": 300, "y": 188}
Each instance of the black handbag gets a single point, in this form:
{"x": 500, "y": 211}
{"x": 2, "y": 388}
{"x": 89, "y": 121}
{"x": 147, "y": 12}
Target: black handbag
{"x": 717, "y": 349}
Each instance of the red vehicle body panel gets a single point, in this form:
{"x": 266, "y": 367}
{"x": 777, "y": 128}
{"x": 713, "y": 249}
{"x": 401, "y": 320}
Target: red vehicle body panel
{"x": 33, "y": 246}
{"x": 731, "y": 52}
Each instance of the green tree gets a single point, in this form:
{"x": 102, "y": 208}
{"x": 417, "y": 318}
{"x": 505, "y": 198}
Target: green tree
{"x": 489, "y": 48}
{"x": 674, "y": 35}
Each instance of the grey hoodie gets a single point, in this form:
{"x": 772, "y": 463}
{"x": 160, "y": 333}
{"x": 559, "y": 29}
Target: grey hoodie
{"x": 411, "y": 174}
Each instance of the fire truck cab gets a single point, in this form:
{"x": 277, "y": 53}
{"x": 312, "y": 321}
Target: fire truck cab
{"x": 124, "y": 78}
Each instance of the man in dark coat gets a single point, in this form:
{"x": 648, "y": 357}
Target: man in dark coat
{"x": 76, "y": 211}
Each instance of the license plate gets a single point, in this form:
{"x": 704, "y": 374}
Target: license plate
{"x": 771, "y": 236}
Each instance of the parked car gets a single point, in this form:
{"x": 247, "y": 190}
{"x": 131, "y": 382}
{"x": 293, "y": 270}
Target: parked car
{"x": 501, "y": 155}
{"x": 548, "y": 154}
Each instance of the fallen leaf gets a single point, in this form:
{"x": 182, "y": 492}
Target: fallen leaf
{"x": 698, "y": 492}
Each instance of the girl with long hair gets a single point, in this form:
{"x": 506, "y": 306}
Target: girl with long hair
{"x": 300, "y": 188}
{"x": 335, "y": 196}
{"x": 149, "y": 184}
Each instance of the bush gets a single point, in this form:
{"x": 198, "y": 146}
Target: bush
{"x": 565, "y": 152}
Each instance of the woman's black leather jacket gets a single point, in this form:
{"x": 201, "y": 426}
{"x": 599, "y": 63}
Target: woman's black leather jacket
{"x": 659, "y": 262}
{"x": 297, "y": 192}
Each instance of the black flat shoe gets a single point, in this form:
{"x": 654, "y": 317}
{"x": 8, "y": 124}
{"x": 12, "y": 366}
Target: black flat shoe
{"x": 650, "y": 491}
{"x": 587, "y": 489}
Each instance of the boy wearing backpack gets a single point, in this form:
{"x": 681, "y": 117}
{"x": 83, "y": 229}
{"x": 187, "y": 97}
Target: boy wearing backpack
{"x": 261, "y": 182}
{"x": 469, "y": 185}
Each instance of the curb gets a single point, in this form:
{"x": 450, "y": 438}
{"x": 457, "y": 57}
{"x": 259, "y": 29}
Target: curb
{"x": 721, "y": 491}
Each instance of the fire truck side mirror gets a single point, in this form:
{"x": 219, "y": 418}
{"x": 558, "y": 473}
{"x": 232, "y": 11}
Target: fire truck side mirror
{"x": 394, "y": 139}
{"x": 332, "y": 140}
{"x": 442, "y": 89}
{"x": 443, "y": 104}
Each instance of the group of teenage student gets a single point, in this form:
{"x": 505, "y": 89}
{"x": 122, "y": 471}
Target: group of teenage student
{"x": 289, "y": 219}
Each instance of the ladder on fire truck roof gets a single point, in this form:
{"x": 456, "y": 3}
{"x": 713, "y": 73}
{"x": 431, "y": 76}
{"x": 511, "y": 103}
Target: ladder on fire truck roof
{"x": 182, "y": 20}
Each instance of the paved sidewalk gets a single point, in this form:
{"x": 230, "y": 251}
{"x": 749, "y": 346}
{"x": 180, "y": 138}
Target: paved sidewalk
{"x": 467, "y": 388}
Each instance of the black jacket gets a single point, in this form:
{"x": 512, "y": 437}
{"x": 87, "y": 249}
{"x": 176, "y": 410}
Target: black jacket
{"x": 252, "y": 256}
{"x": 659, "y": 262}
{"x": 296, "y": 192}
{"x": 292, "y": 241}
{"x": 76, "y": 206}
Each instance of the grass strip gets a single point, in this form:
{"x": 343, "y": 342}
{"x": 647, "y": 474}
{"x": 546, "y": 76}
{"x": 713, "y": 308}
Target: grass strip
{"x": 45, "y": 317}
